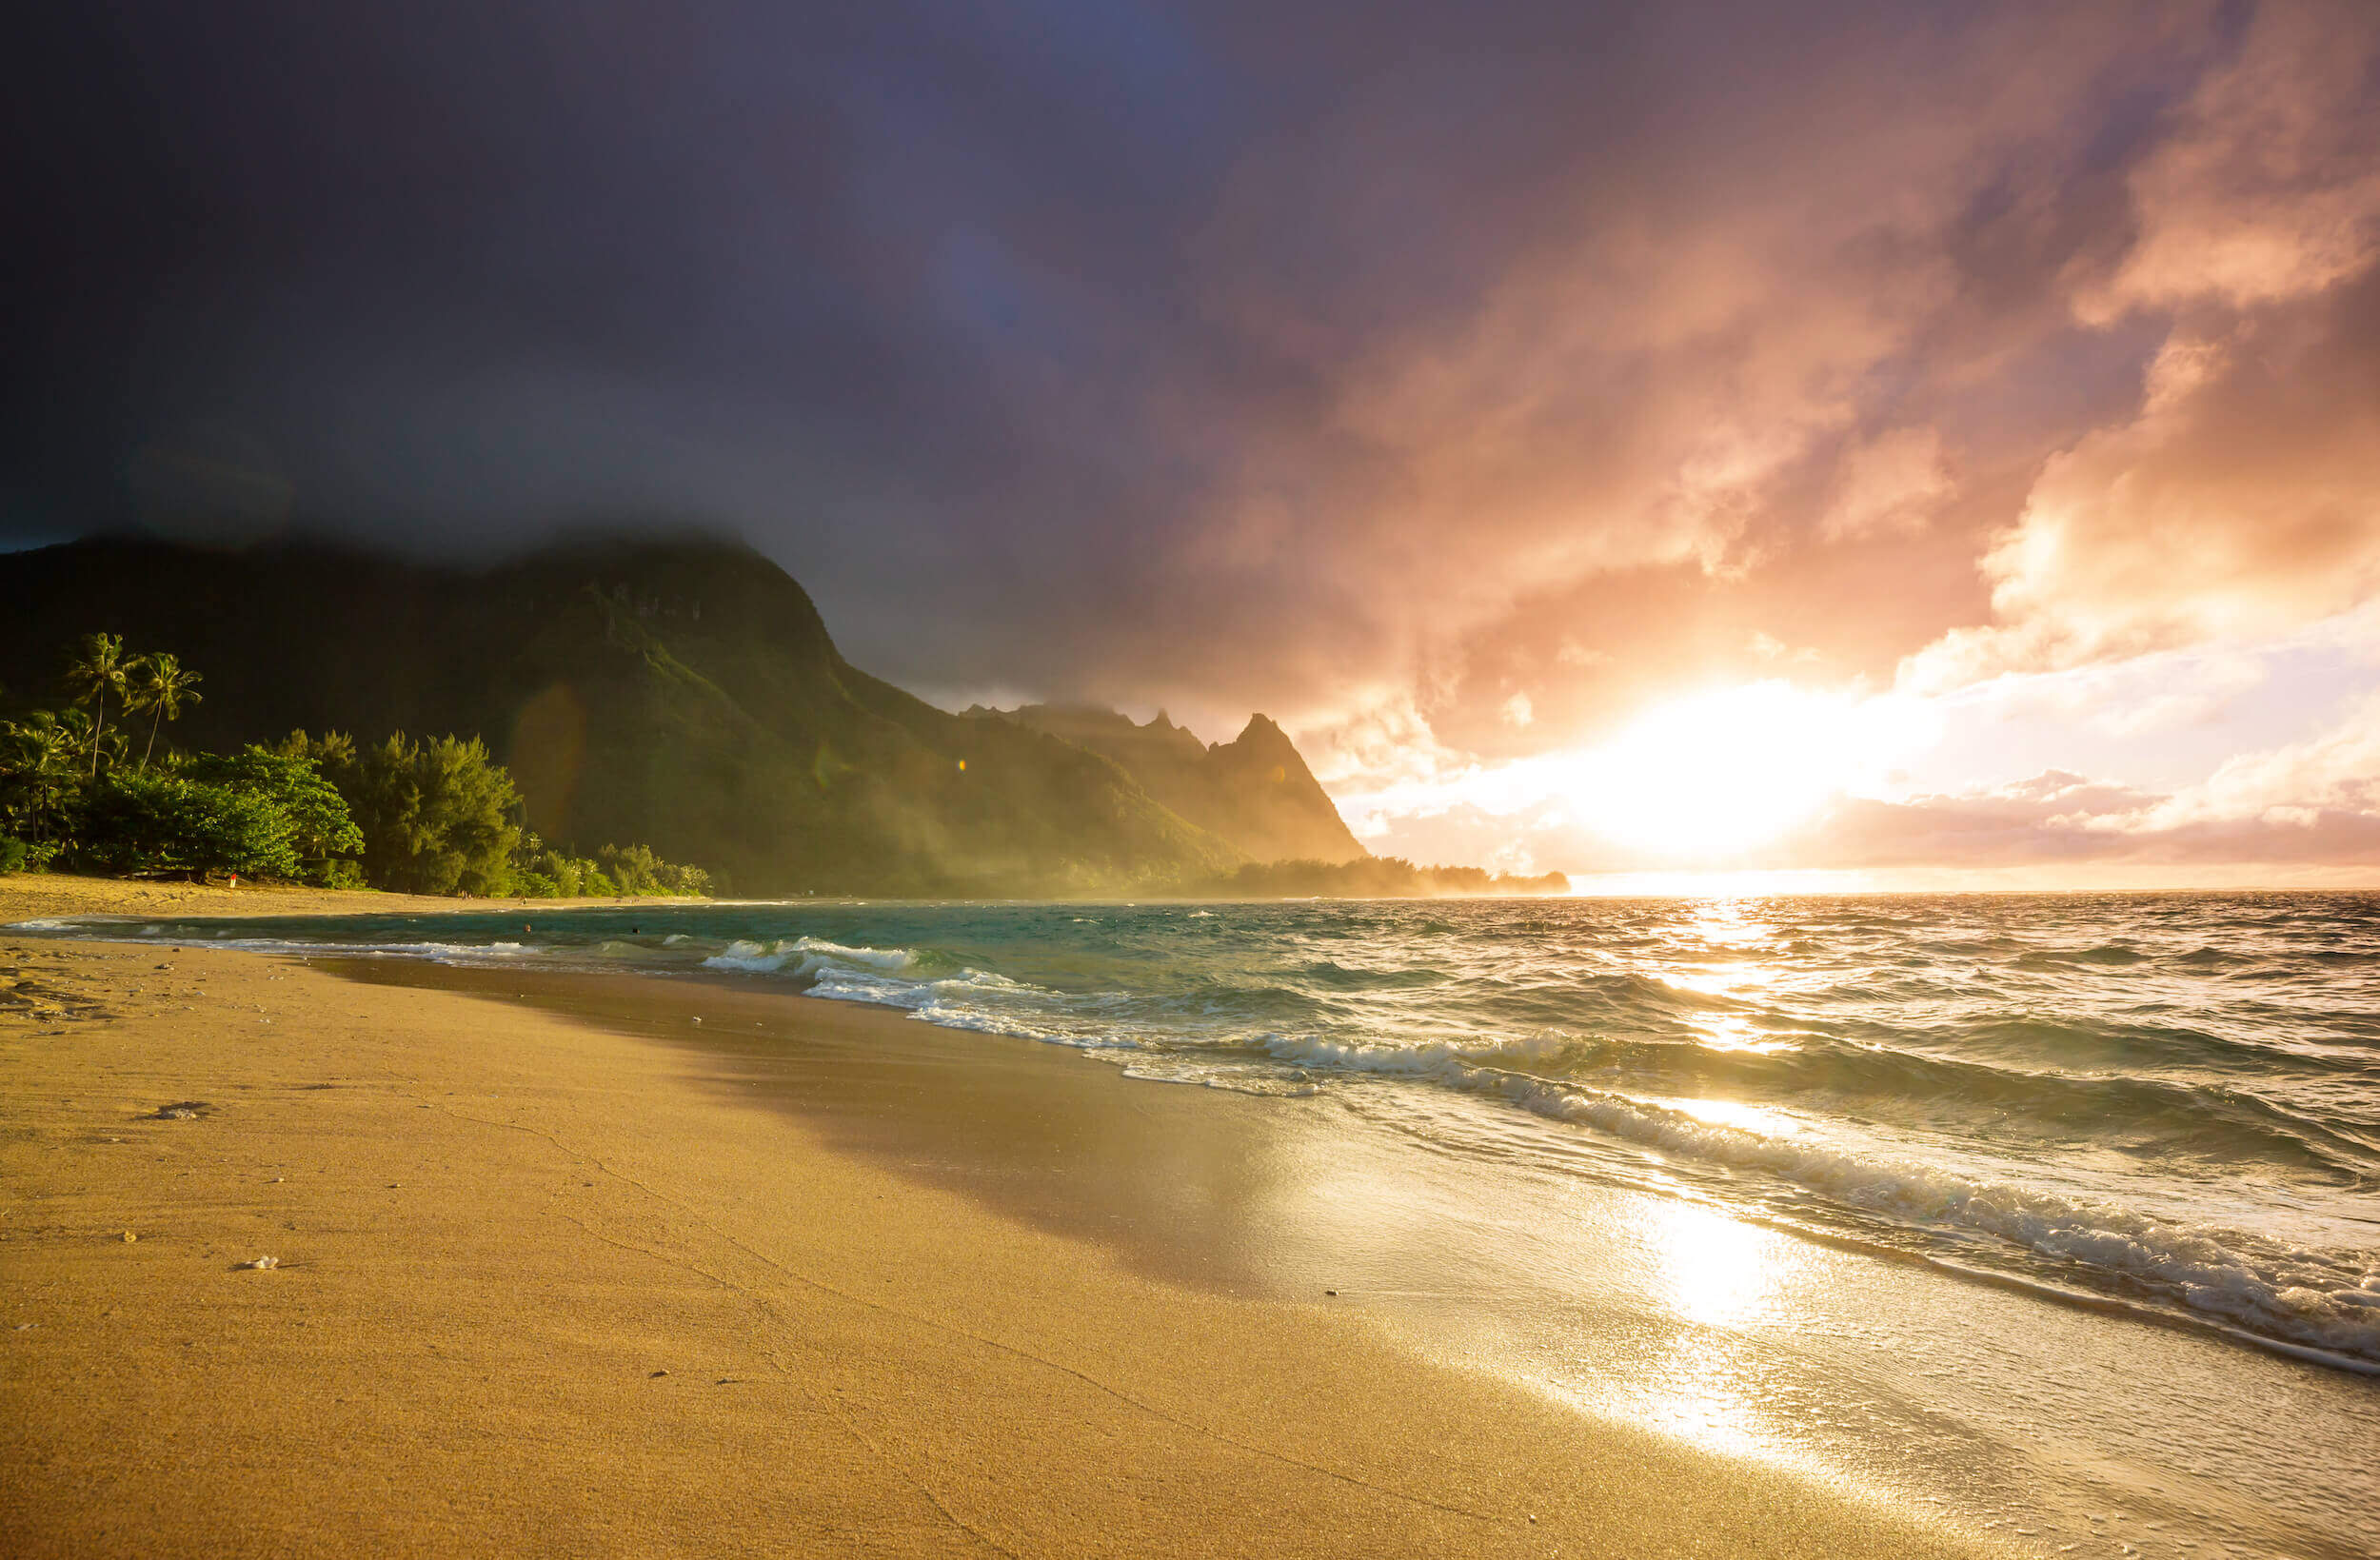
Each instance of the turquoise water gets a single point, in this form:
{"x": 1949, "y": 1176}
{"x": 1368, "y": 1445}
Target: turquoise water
{"x": 2163, "y": 1103}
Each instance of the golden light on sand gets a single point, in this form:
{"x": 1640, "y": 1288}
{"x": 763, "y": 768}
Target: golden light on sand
{"x": 1723, "y": 1279}
{"x": 1717, "y": 1270}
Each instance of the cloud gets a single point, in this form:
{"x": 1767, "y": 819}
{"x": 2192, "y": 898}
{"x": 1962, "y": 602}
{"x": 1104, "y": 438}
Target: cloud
{"x": 2268, "y": 188}
{"x": 2335, "y": 772}
{"x": 1327, "y": 341}
{"x": 2241, "y": 503}
{"x": 2305, "y": 803}
{"x": 2240, "y": 500}
{"x": 1893, "y": 483}
{"x": 1365, "y": 366}
{"x": 2054, "y": 820}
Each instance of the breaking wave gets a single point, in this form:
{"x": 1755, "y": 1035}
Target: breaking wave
{"x": 2165, "y": 1103}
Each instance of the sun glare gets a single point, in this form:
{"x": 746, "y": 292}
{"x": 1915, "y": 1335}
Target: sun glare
{"x": 1711, "y": 775}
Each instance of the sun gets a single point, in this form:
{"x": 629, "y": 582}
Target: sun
{"x": 1709, "y": 776}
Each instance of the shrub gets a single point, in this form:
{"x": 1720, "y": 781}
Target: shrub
{"x": 539, "y": 872}
{"x": 565, "y": 872}
{"x": 436, "y": 816}
{"x": 166, "y": 822}
{"x": 630, "y": 868}
{"x": 24, "y": 856}
{"x": 321, "y": 834}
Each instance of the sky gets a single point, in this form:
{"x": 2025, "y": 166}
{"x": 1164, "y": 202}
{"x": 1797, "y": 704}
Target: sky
{"x": 1834, "y": 444}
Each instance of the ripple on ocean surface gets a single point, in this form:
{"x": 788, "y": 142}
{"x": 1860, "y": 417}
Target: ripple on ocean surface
{"x": 2171, "y": 1100}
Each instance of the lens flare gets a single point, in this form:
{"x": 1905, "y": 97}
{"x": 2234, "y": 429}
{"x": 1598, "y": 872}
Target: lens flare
{"x": 1712, "y": 775}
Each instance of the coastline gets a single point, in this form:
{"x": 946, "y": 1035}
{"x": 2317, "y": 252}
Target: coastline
{"x": 496, "y": 1224}
{"x": 31, "y": 896}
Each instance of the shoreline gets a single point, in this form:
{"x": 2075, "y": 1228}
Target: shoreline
{"x": 495, "y": 1225}
{"x": 37, "y": 896}
{"x": 1898, "y": 1387}
{"x": 656, "y": 1007}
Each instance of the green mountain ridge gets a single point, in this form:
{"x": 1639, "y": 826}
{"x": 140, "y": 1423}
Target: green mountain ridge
{"x": 684, "y": 694}
{"x": 1255, "y": 791}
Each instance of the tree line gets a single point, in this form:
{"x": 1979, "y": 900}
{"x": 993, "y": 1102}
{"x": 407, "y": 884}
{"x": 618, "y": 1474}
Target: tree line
{"x": 1370, "y": 877}
{"x": 419, "y": 816}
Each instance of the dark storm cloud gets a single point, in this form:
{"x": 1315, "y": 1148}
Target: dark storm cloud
{"x": 1377, "y": 364}
{"x": 444, "y": 266}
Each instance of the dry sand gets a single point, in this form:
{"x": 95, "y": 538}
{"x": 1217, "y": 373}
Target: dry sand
{"x": 546, "y": 1289}
{"x": 27, "y": 895}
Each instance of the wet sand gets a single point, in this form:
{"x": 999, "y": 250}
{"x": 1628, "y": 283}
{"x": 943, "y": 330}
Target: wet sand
{"x": 2074, "y": 1429}
{"x": 544, "y": 1286}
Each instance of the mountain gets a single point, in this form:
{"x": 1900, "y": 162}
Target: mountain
{"x": 681, "y": 694}
{"x": 1255, "y": 791}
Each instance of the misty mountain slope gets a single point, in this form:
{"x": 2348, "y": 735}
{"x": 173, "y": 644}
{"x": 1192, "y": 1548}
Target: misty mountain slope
{"x": 683, "y": 694}
{"x": 1255, "y": 791}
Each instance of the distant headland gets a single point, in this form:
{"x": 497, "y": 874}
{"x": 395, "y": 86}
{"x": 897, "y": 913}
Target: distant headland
{"x": 685, "y": 693}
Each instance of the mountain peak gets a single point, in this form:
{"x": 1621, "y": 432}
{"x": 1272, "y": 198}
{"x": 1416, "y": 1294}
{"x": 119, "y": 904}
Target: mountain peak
{"x": 1262, "y": 730}
{"x": 1255, "y": 791}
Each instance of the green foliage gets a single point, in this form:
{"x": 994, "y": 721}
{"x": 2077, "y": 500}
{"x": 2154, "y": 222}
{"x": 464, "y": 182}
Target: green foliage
{"x": 260, "y": 812}
{"x": 436, "y": 816}
{"x": 170, "y": 822}
{"x": 630, "y": 870}
{"x": 427, "y": 816}
{"x": 24, "y": 856}
{"x": 322, "y": 836}
{"x": 336, "y": 874}
{"x": 635, "y": 870}
{"x": 686, "y": 695}
{"x": 40, "y": 780}
{"x": 538, "y": 873}
{"x": 161, "y": 684}
{"x": 566, "y": 874}
{"x": 96, "y": 669}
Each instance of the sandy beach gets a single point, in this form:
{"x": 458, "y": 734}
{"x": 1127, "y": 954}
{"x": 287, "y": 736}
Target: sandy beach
{"x": 540, "y": 1288}
{"x": 26, "y": 896}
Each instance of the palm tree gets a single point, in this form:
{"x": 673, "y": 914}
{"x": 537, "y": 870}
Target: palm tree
{"x": 97, "y": 670}
{"x": 162, "y": 683}
{"x": 35, "y": 755}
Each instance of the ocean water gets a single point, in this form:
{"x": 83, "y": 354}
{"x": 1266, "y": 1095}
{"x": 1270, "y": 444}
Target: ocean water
{"x": 2165, "y": 1105}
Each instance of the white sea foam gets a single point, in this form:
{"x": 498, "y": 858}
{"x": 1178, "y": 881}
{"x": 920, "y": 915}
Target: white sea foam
{"x": 445, "y": 953}
{"x": 2310, "y": 1297}
{"x": 1913, "y": 1180}
{"x": 883, "y": 958}
{"x": 805, "y": 956}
